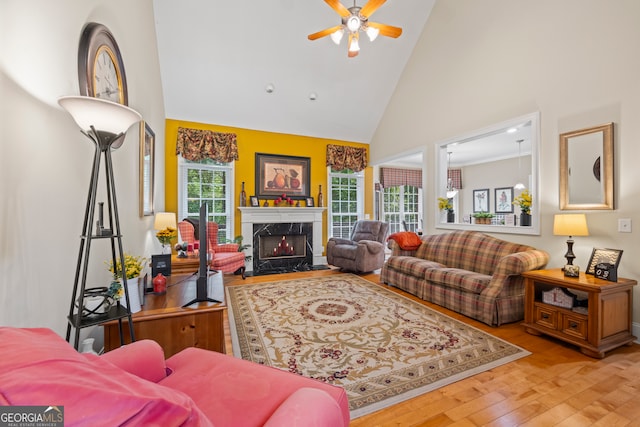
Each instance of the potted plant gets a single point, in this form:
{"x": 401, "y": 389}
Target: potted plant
{"x": 444, "y": 204}
{"x": 483, "y": 217}
{"x": 524, "y": 202}
{"x": 133, "y": 266}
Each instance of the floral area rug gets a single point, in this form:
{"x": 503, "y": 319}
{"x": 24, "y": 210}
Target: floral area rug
{"x": 381, "y": 347}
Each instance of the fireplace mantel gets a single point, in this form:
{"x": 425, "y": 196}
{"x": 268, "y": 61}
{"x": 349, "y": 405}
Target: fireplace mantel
{"x": 262, "y": 215}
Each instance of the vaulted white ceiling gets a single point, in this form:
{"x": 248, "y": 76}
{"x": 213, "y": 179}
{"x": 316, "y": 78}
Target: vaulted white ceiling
{"x": 217, "y": 58}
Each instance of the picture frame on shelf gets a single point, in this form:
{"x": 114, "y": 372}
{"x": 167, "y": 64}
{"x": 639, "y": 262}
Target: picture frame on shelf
{"x": 503, "y": 197}
{"x": 603, "y": 256}
{"x": 146, "y": 169}
{"x": 481, "y": 200}
{"x": 310, "y": 202}
{"x": 254, "y": 202}
{"x": 161, "y": 264}
{"x": 279, "y": 174}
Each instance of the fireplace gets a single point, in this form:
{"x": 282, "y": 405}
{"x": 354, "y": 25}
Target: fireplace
{"x": 282, "y": 247}
{"x": 263, "y": 228}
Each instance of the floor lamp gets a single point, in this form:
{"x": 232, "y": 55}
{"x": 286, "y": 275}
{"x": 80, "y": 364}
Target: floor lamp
{"x": 105, "y": 123}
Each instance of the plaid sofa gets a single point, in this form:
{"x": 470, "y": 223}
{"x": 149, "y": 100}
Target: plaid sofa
{"x": 468, "y": 272}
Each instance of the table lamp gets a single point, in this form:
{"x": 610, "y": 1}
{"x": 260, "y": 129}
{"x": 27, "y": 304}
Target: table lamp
{"x": 570, "y": 225}
{"x": 166, "y": 225}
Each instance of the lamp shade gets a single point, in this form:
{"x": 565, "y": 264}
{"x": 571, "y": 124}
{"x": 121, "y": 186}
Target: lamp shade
{"x": 570, "y": 225}
{"x": 103, "y": 115}
{"x": 164, "y": 220}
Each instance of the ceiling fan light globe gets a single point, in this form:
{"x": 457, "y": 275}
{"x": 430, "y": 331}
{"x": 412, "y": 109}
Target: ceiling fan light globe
{"x": 372, "y": 33}
{"x": 336, "y": 36}
{"x": 353, "y": 23}
{"x": 519, "y": 186}
{"x": 354, "y": 46}
{"x": 452, "y": 193}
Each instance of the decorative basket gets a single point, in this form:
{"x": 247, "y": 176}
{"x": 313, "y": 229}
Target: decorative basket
{"x": 559, "y": 297}
{"x": 95, "y": 302}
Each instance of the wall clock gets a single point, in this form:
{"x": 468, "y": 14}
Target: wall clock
{"x": 100, "y": 67}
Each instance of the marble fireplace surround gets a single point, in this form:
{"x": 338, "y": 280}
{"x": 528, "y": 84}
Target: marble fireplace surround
{"x": 272, "y": 215}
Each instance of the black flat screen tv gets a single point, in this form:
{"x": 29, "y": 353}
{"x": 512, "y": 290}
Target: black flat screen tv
{"x": 203, "y": 268}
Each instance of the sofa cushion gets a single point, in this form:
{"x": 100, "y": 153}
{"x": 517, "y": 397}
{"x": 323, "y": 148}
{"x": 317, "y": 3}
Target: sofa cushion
{"x": 411, "y": 265}
{"x": 307, "y": 407}
{"x": 38, "y": 367}
{"x": 252, "y": 392}
{"x": 468, "y": 281}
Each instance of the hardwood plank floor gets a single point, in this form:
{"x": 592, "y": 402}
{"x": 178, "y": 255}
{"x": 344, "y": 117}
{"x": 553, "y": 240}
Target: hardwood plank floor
{"x": 556, "y": 386}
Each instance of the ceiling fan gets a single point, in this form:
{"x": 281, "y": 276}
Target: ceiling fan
{"x": 354, "y": 20}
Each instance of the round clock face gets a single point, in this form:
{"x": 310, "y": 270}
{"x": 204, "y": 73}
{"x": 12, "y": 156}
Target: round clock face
{"x": 100, "y": 68}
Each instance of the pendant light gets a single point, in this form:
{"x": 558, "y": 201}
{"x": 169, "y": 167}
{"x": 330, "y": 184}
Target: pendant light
{"x": 451, "y": 190}
{"x": 519, "y": 185}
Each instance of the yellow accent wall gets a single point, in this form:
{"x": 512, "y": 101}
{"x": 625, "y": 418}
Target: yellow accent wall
{"x": 255, "y": 141}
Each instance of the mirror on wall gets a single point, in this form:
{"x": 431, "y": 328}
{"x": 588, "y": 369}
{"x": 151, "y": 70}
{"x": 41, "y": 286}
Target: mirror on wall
{"x": 484, "y": 175}
{"x": 586, "y": 168}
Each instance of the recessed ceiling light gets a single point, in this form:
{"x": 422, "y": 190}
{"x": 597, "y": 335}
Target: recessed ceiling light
{"x": 270, "y": 88}
{"x": 512, "y": 130}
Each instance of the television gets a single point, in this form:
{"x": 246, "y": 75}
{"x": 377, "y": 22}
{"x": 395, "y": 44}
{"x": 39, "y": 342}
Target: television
{"x": 203, "y": 267}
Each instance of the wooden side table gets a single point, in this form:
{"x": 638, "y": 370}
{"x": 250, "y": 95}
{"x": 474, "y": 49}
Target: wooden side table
{"x": 164, "y": 320}
{"x": 605, "y": 324}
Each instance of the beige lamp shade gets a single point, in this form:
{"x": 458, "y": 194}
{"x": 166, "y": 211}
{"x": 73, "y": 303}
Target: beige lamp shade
{"x": 570, "y": 225}
{"x": 164, "y": 220}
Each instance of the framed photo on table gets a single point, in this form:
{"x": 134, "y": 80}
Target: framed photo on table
{"x": 481, "y": 200}
{"x": 279, "y": 174}
{"x": 504, "y": 200}
{"x": 310, "y": 202}
{"x": 600, "y": 256}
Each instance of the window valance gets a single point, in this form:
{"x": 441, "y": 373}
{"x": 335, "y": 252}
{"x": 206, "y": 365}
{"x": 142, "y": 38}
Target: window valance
{"x": 199, "y": 144}
{"x": 341, "y": 157}
{"x": 395, "y": 177}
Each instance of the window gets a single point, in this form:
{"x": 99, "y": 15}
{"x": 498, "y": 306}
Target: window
{"x": 402, "y": 203}
{"x": 346, "y": 201}
{"x": 207, "y": 182}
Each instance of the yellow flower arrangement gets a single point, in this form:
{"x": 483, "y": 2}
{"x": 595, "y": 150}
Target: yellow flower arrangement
{"x": 133, "y": 266}
{"x": 524, "y": 201}
{"x": 444, "y": 204}
{"x": 166, "y": 235}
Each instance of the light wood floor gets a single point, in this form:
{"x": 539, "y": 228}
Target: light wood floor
{"x": 555, "y": 386}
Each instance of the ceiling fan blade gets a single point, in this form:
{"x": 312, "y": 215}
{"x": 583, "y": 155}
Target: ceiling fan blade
{"x": 338, "y": 7}
{"x": 324, "y": 32}
{"x": 371, "y": 6}
{"x": 387, "y": 30}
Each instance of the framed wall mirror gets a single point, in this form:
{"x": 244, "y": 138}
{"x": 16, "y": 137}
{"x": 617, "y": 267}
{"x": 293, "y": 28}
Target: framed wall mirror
{"x": 586, "y": 168}
{"x": 500, "y": 156}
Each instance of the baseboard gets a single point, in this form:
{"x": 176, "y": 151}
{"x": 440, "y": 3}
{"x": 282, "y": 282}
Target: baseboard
{"x": 635, "y": 330}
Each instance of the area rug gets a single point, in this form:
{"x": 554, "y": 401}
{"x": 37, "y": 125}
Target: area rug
{"x": 381, "y": 347}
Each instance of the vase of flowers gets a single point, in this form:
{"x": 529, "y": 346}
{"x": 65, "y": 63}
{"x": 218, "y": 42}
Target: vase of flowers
{"x": 133, "y": 266}
{"x": 445, "y": 204}
{"x": 524, "y": 202}
{"x": 165, "y": 236}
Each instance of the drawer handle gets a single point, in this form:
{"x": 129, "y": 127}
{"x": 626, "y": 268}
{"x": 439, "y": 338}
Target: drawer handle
{"x": 545, "y": 316}
{"x": 573, "y": 325}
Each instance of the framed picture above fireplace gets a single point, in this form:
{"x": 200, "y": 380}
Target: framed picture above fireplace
{"x": 278, "y": 174}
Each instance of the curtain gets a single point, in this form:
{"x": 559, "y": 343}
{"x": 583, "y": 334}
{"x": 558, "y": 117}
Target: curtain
{"x": 198, "y": 144}
{"x": 455, "y": 175}
{"x": 394, "y": 177}
{"x": 341, "y": 157}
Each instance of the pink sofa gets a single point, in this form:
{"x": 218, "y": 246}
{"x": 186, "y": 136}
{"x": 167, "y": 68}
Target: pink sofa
{"x": 134, "y": 385}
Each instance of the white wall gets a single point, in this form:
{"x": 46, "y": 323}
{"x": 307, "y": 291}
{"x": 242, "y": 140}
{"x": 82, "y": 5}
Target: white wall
{"x": 45, "y": 161}
{"x": 576, "y": 61}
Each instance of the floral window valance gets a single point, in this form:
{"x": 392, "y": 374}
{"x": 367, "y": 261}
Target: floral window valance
{"x": 341, "y": 157}
{"x": 198, "y": 144}
{"x": 395, "y": 177}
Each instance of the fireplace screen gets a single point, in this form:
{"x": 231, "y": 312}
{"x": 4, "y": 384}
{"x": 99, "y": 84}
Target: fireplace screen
{"x": 282, "y": 247}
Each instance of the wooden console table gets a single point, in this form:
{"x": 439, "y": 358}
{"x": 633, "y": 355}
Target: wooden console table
{"x": 163, "y": 319}
{"x": 186, "y": 265}
{"x": 604, "y": 325}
